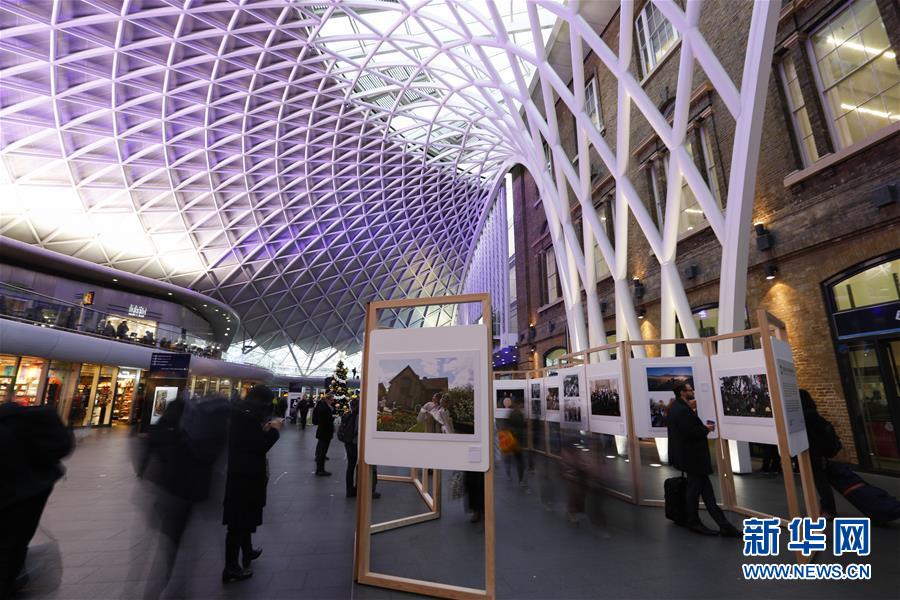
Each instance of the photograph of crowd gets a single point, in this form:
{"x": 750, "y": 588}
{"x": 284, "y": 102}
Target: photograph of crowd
{"x": 553, "y": 398}
{"x": 427, "y": 395}
{"x": 745, "y": 396}
{"x": 661, "y": 383}
{"x": 508, "y": 398}
{"x": 570, "y": 386}
{"x": 605, "y": 397}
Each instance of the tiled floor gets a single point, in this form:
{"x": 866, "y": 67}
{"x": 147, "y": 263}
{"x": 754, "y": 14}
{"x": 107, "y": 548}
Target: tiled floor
{"x": 98, "y": 516}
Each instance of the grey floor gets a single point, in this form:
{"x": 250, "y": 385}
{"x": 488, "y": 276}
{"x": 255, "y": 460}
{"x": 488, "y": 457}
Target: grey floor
{"x": 95, "y": 542}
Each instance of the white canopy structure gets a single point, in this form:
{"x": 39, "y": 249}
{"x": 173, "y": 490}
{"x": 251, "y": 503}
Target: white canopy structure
{"x": 297, "y": 159}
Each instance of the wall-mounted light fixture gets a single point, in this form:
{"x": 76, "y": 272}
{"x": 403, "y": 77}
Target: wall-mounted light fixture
{"x": 764, "y": 238}
{"x": 642, "y": 313}
{"x": 638, "y": 288}
{"x": 771, "y": 271}
{"x": 532, "y": 332}
{"x": 691, "y": 271}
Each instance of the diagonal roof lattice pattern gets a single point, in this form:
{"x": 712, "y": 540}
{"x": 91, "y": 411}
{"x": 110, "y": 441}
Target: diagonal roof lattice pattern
{"x": 294, "y": 159}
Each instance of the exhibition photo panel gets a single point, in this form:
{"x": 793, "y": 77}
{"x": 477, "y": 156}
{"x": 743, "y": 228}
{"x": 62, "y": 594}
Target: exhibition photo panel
{"x": 507, "y": 394}
{"x": 428, "y": 408}
{"x": 653, "y": 384}
{"x": 552, "y": 397}
{"x": 605, "y": 398}
{"x": 743, "y": 397}
{"x": 535, "y": 399}
{"x": 573, "y": 406}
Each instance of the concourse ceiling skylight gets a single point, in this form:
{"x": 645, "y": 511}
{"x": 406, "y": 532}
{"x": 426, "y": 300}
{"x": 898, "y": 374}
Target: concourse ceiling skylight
{"x": 294, "y": 159}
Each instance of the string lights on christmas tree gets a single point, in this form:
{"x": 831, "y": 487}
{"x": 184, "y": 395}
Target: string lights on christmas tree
{"x": 338, "y": 388}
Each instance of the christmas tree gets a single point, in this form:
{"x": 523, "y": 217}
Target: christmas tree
{"x": 338, "y": 389}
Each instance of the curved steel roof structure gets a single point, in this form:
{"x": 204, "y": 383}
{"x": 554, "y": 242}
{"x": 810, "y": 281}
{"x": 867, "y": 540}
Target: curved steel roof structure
{"x": 298, "y": 158}
{"x": 295, "y": 159}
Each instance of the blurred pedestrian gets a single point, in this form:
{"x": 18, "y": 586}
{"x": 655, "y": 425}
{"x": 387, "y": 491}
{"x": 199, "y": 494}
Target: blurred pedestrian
{"x": 323, "y": 419}
{"x": 178, "y": 459}
{"x": 348, "y": 433}
{"x": 824, "y": 443}
{"x": 252, "y": 433}
{"x": 33, "y": 440}
{"x": 475, "y": 493}
{"x": 303, "y": 409}
{"x": 689, "y": 452}
{"x": 515, "y": 426}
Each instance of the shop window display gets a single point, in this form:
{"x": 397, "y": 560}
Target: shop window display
{"x": 8, "y": 365}
{"x": 83, "y": 392}
{"x": 101, "y": 413}
{"x": 57, "y": 377}
{"x": 28, "y": 380}
{"x": 126, "y": 383}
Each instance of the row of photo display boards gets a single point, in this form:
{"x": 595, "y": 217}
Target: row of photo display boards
{"x": 735, "y": 396}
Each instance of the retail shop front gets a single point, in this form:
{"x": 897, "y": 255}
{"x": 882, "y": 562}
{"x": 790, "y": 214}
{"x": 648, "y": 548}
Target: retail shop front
{"x": 865, "y": 319}
{"x": 83, "y": 394}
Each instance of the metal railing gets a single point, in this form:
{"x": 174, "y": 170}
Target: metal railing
{"x": 27, "y": 306}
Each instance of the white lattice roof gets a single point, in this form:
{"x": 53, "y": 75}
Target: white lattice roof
{"x": 295, "y": 159}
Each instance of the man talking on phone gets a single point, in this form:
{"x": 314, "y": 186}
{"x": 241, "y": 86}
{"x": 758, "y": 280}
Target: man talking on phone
{"x": 689, "y": 452}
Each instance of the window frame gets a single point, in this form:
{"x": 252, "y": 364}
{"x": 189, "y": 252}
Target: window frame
{"x": 592, "y": 85}
{"x": 608, "y": 208}
{"x": 643, "y": 41}
{"x": 660, "y": 160}
{"x": 836, "y": 140}
{"x": 805, "y": 158}
{"x": 545, "y": 273}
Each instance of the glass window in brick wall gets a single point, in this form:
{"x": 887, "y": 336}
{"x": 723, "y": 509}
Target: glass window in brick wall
{"x": 656, "y": 37}
{"x": 690, "y": 216}
{"x": 799, "y": 115}
{"x": 857, "y": 72}
{"x": 592, "y": 103}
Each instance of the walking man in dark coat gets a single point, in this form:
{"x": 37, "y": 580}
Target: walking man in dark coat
{"x": 323, "y": 419}
{"x": 252, "y": 432}
{"x": 689, "y": 452}
{"x": 304, "y": 410}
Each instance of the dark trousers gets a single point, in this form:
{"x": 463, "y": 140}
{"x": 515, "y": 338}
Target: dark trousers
{"x": 352, "y": 459}
{"x": 352, "y": 454}
{"x": 303, "y": 414}
{"x": 18, "y": 524}
{"x": 698, "y": 485}
{"x": 237, "y": 540}
{"x": 519, "y": 459}
{"x": 820, "y": 477}
{"x": 475, "y": 490}
{"x": 321, "y": 453}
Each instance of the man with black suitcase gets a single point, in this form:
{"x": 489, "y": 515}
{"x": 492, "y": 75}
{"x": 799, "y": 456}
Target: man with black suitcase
{"x": 689, "y": 452}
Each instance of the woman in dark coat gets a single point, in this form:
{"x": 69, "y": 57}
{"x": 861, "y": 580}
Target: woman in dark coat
{"x": 251, "y": 433}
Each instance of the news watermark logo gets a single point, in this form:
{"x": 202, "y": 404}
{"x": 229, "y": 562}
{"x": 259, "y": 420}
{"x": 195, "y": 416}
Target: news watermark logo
{"x": 762, "y": 537}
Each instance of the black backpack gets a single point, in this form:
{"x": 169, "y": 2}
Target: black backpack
{"x": 346, "y": 429}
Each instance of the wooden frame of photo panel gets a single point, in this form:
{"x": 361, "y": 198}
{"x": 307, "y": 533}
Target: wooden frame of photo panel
{"x": 362, "y": 571}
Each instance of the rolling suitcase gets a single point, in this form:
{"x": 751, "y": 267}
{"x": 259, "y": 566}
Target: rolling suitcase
{"x": 675, "y": 488}
{"x": 870, "y": 500}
